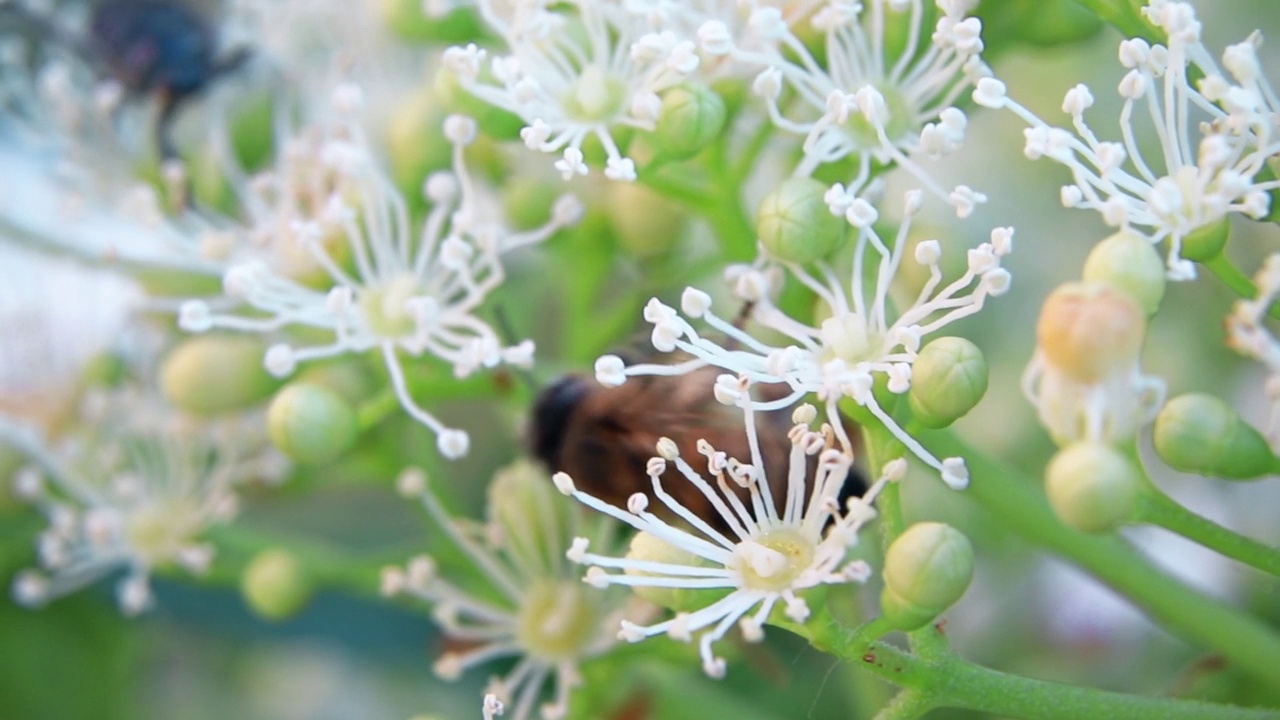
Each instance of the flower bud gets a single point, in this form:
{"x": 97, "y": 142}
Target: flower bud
{"x": 1129, "y": 262}
{"x": 214, "y": 374}
{"x": 692, "y": 118}
{"x": 1201, "y": 434}
{"x": 646, "y": 223}
{"x": 947, "y": 380}
{"x": 408, "y": 20}
{"x": 275, "y": 585}
{"x": 650, "y": 548}
{"x": 527, "y": 199}
{"x": 1090, "y": 330}
{"x": 311, "y": 423}
{"x": 926, "y": 570}
{"x": 525, "y": 504}
{"x": 1206, "y": 243}
{"x": 795, "y": 224}
{"x": 1092, "y": 486}
{"x": 107, "y": 370}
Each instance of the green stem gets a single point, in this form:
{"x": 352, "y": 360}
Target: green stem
{"x": 906, "y": 705}
{"x": 1010, "y": 496}
{"x": 1235, "y": 280}
{"x": 1159, "y": 509}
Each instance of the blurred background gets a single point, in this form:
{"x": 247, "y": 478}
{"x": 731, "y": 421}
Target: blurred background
{"x": 202, "y": 654}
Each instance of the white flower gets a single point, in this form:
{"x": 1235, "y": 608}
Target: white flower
{"x": 134, "y": 492}
{"x": 769, "y": 553}
{"x": 867, "y": 101}
{"x": 539, "y": 611}
{"x": 405, "y": 292}
{"x": 1195, "y": 180}
{"x": 584, "y": 69}
{"x": 860, "y": 338}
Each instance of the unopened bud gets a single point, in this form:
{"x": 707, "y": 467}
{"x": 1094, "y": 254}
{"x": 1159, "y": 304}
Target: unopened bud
{"x": 527, "y": 201}
{"x": 926, "y": 570}
{"x": 646, "y": 223}
{"x": 795, "y": 224}
{"x": 1206, "y": 243}
{"x": 214, "y": 374}
{"x": 1201, "y": 434}
{"x": 531, "y": 512}
{"x": 1129, "y": 262}
{"x": 275, "y": 585}
{"x": 947, "y": 380}
{"x": 692, "y": 118}
{"x": 1092, "y": 486}
{"x": 105, "y": 370}
{"x": 650, "y": 548}
{"x": 1090, "y": 330}
{"x": 311, "y": 423}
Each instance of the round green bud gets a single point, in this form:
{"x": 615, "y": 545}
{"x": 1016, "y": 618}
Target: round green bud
{"x": 926, "y": 570}
{"x": 1092, "y": 486}
{"x": 1129, "y": 262}
{"x": 531, "y": 512}
{"x": 1206, "y": 243}
{"x": 947, "y": 380}
{"x": 650, "y": 548}
{"x": 692, "y": 118}
{"x": 311, "y": 423}
{"x": 1090, "y": 330}
{"x": 1054, "y": 22}
{"x": 215, "y": 374}
{"x": 348, "y": 376}
{"x": 1201, "y": 434}
{"x": 527, "y": 200}
{"x": 414, "y": 143}
{"x": 646, "y": 223}
{"x": 106, "y": 370}
{"x": 795, "y": 224}
{"x": 275, "y": 585}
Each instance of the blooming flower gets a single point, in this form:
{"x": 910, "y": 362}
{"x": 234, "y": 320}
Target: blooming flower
{"x": 860, "y": 338}
{"x": 1191, "y": 185}
{"x": 771, "y": 554}
{"x": 399, "y": 293}
{"x": 871, "y": 100}
{"x": 134, "y": 493}
{"x": 586, "y": 69}
{"x": 540, "y": 611}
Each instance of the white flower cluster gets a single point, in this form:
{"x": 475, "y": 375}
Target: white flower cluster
{"x": 769, "y": 554}
{"x": 382, "y": 287}
{"x": 859, "y": 339}
{"x": 540, "y": 613}
{"x": 133, "y": 493}
{"x": 1195, "y": 181}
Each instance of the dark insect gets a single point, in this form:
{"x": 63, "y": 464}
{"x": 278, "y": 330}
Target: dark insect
{"x": 160, "y": 48}
{"x": 603, "y": 437}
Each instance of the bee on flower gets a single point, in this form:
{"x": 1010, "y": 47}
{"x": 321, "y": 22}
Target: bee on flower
{"x": 540, "y": 611}
{"x": 133, "y": 491}
{"x": 860, "y": 339}
{"x": 1184, "y": 194}
{"x": 768, "y": 556}
{"x": 385, "y": 287}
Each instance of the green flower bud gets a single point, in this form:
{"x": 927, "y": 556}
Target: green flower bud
{"x": 534, "y": 517}
{"x": 645, "y": 546}
{"x": 1129, "y": 262}
{"x": 414, "y": 143}
{"x": 646, "y": 223}
{"x": 1206, "y": 243}
{"x": 795, "y": 224}
{"x": 1044, "y": 23}
{"x": 947, "y": 381}
{"x": 1092, "y": 486}
{"x": 1090, "y": 330}
{"x": 311, "y": 423}
{"x": 348, "y": 377}
{"x": 692, "y": 118}
{"x": 527, "y": 200}
{"x": 106, "y": 370}
{"x": 1201, "y": 434}
{"x": 275, "y": 585}
{"x": 214, "y": 374}
{"x": 926, "y": 571}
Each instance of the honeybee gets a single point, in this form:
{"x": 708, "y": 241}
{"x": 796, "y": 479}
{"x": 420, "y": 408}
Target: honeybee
{"x": 161, "y": 48}
{"x": 604, "y": 437}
